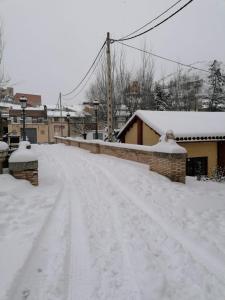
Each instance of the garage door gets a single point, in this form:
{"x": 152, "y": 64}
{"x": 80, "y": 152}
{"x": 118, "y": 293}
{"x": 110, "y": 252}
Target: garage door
{"x": 31, "y": 134}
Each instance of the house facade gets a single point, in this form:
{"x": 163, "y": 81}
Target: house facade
{"x": 36, "y": 124}
{"x": 202, "y": 134}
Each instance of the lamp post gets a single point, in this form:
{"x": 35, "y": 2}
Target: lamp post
{"x": 23, "y": 103}
{"x": 68, "y": 120}
{"x": 96, "y": 104}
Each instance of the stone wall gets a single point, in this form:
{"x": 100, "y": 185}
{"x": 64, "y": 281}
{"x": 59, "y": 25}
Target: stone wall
{"x": 25, "y": 170}
{"x": 171, "y": 165}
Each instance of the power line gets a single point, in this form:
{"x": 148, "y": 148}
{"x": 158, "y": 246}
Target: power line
{"x": 96, "y": 65}
{"x": 165, "y": 58}
{"x": 160, "y": 23}
{"x": 85, "y": 76}
{"x": 150, "y": 22}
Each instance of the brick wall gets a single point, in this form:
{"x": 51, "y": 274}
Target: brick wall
{"x": 171, "y": 165}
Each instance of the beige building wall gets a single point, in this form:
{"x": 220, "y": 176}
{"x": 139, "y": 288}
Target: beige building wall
{"x": 55, "y": 129}
{"x": 42, "y": 131}
{"x": 203, "y": 149}
{"x": 131, "y": 135}
{"x": 149, "y": 136}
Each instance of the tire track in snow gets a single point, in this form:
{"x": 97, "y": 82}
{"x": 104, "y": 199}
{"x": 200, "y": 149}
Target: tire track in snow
{"x": 106, "y": 255}
{"x": 36, "y": 278}
{"x": 173, "y": 234}
{"x": 210, "y": 262}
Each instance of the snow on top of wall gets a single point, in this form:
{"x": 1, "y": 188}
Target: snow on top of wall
{"x": 4, "y": 146}
{"x": 24, "y": 144}
{"x": 167, "y": 146}
{"x": 22, "y": 155}
{"x": 183, "y": 123}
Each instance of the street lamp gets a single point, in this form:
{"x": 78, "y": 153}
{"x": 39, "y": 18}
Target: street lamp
{"x": 68, "y": 120}
{"x": 96, "y": 104}
{"x": 23, "y": 103}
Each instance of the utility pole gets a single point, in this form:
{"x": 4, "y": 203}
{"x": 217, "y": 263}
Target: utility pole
{"x": 60, "y": 106}
{"x": 109, "y": 88}
{"x": 1, "y": 129}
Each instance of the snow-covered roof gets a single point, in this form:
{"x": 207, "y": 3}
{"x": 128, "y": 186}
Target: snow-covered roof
{"x": 57, "y": 113}
{"x": 10, "y": 105}
{"x": 185, "y": 125}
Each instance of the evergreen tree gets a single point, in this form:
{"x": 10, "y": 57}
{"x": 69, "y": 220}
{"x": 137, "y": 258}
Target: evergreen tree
{"x": 162, "y": 98}
{"x": 216, "y": 90}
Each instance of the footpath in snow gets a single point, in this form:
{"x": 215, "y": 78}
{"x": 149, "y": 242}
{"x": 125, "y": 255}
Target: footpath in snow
{"x": 99, "y": 227}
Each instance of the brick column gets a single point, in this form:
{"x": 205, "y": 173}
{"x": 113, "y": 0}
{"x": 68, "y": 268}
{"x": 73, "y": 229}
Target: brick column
{"x": 171, "y": 165}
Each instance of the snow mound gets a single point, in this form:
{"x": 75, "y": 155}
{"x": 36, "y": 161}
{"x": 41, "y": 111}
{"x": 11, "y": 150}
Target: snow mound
{"x": 167, "y": 145}
{"x": 22, "y": 155}
{"x": 24, "y": 144}
{"x": 3, "y": 146}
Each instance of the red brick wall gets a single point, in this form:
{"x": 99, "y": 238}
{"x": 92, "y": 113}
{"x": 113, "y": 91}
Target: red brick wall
{"x": 170, "y": 165}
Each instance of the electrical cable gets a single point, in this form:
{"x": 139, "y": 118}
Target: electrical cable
{"x": 96, "y": 65}
{"x": 85, "y": 76}
{"x": 158, "y": 24}
{"x": 150, "y": 22}
{"x": 165, "y": 58}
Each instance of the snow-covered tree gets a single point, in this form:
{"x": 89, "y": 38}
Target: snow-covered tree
{"x": 216, "y": 90}
{"x": 162, "y": 98}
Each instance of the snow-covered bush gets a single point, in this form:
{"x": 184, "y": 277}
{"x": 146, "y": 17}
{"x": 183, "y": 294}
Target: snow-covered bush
{"x": 218, "y": 175}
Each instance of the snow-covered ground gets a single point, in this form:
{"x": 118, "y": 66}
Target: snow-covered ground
{"x": 99, "y": 227}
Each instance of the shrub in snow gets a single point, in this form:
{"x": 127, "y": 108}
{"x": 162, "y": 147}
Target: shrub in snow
{"x": 218, "y": 174}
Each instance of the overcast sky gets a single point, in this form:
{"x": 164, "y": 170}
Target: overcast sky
{"x": 50, "y": 44}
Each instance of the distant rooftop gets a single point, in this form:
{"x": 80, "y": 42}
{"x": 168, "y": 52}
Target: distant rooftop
{"x": 32, "y": 100}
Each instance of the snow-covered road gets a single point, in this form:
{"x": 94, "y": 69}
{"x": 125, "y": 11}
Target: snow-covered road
{"x": 99, "y": 228}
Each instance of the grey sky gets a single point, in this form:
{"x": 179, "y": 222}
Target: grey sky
{"x": 50, "y": 44}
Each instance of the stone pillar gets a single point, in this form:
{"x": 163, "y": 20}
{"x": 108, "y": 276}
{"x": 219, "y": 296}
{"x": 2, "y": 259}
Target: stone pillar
{"x": 25, "y": 170}
{"x": 168, "y": 158}
{"x": 3, "y": 154}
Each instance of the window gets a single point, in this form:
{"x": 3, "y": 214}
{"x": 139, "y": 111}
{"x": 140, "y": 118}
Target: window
{"x": 40, "y": 120}
{"x": 28, "y": 119}
{"x": 57, "y": 128}
{"x": 197, "y": 166}
{"x": 100, "y": 135}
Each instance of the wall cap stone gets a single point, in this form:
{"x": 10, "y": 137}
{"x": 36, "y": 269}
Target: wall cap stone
{"x": 23, "y": 166}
